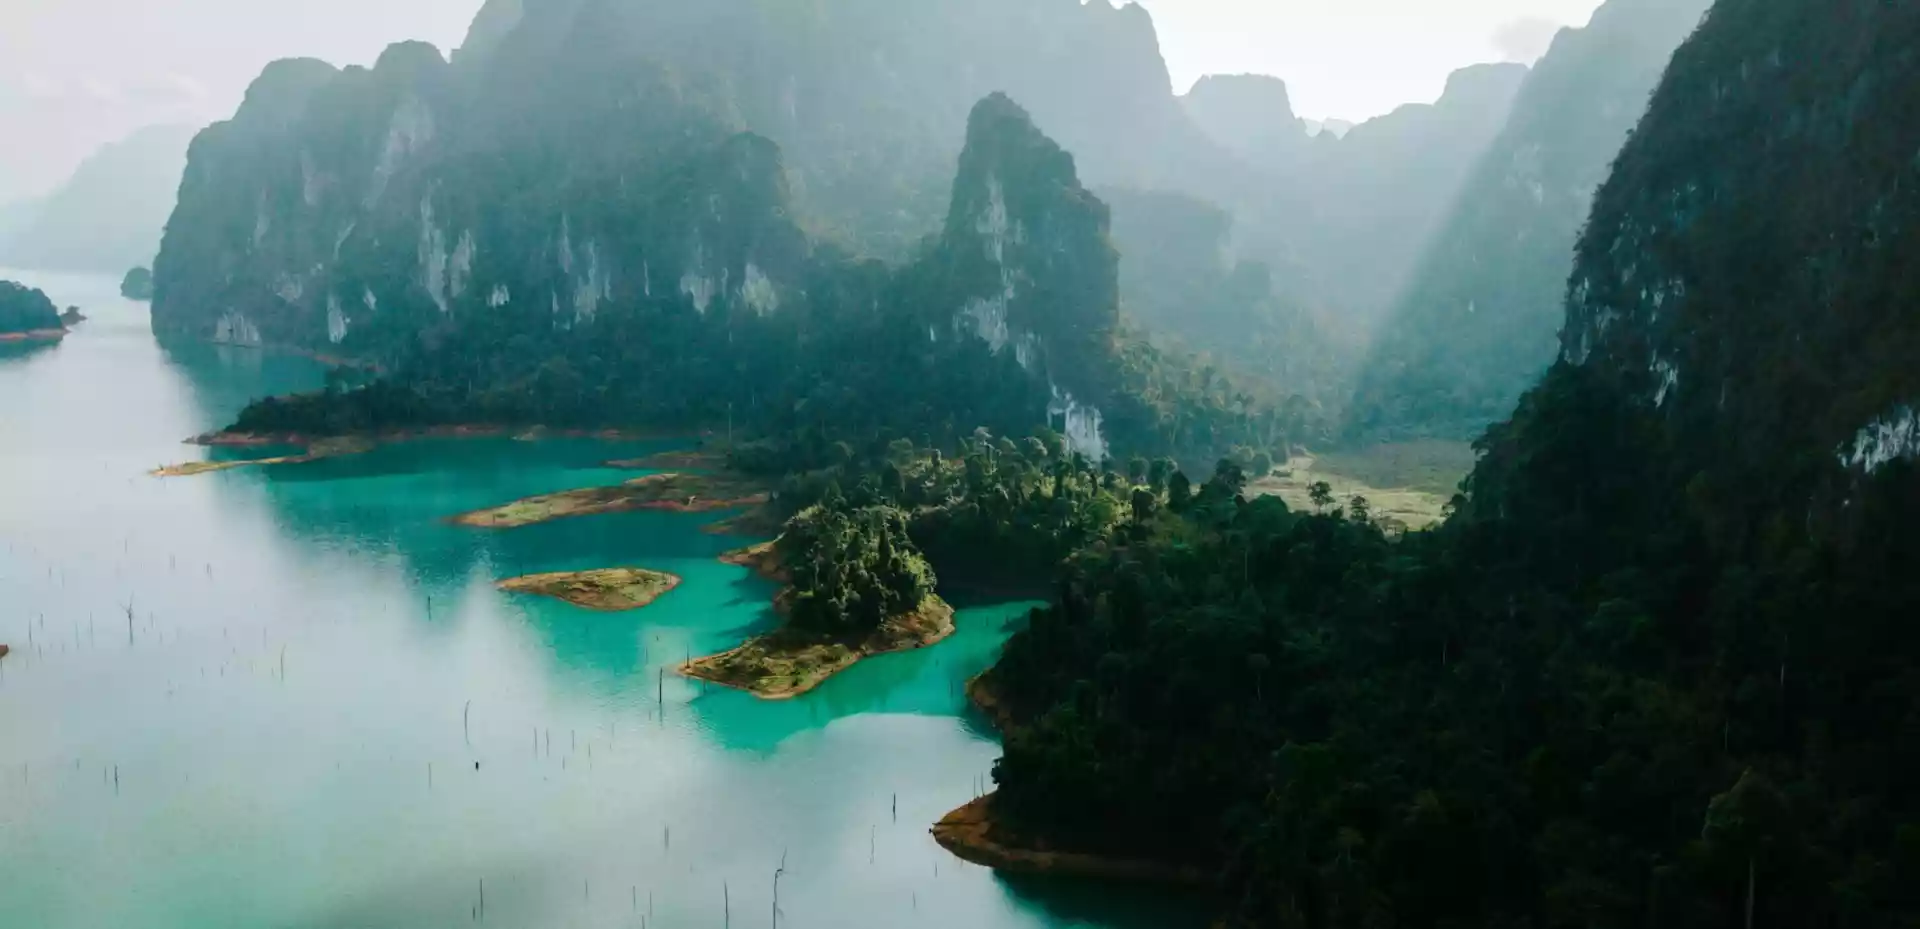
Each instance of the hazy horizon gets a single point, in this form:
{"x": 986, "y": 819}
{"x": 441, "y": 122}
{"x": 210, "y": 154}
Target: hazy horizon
{"x": 73, "y": 86}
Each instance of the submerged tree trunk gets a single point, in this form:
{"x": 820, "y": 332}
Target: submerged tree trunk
{"x": 1749, "y": 892}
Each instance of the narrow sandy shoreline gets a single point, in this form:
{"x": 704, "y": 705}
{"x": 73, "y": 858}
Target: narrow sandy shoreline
{"x": 32, "y": 335}
{"x": 972, "y": 834}
{"x": 785, "y": 663}
{"x": 329, "y": 448}
{"x": 231, "y": 439}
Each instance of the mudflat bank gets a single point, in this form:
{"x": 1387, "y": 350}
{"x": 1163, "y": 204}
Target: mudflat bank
{"x": 236, "y": 439}
{"x": 608, "y": 590}
{"x": 763, "y": 559}
{"x": 33, "y": 335}
{"x": 972, "y": 833}
{"x": 328, "y": 448}
{"x": 788, "y": 662}
{"x": 674, "y": 492}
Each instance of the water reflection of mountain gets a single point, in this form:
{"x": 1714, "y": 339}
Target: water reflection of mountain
{"x": 223, "y": 379}
{"x": 16, "y": 352}
{"x": 389, "y": 507}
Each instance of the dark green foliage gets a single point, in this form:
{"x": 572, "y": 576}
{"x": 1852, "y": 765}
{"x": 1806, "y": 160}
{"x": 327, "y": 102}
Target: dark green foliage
{"x": 1008, "y": 321}
{"x": 852, "y": 568}
{"x": 24, "y": 309}
{"x": 137, "y": 285}
{"x": 997, "y": 514}
{"x": 1659, "y": 669}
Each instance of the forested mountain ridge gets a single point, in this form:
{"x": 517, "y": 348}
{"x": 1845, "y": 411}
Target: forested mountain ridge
{"x": 868, "y": 97}
{"x": 866, "y": 100}
{"x": 110, "y": 214}
{"x": 1342, "y": 219}
{"x": 1658, "y": 668}
{"x": 1252, "y": 116}
{"x": 1009, "y": 320}
{"x": 1475, "y": 324}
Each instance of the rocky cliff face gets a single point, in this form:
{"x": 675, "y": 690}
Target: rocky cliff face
{"x": 1026, "y": 250}
{"x": 1475, "y": 324}
{"x": 1759, "y": 303}
{"x": 359, "y": 212}
{"x": 869, "y": 98}
{"x": 344, "y": 210}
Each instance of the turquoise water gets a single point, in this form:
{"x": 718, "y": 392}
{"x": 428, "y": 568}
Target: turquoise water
{"x": 292, "y": 697}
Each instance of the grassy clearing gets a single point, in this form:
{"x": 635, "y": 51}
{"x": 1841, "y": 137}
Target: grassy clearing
{"x": 1407, "y": 483}
{"x": 607, "y": 590}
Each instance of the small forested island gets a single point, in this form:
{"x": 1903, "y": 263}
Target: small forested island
{"x": 607, "y": 590}
{"x": 858, "y": 587}
{"x": 26, "y": 315}
{"x": 137, "y": 285}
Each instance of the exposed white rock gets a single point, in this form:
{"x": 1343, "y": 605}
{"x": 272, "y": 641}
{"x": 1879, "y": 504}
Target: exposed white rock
{"x": 312, "y": 182}
{"x": 989, "y": 317}
{"x": 1669, "y": 377}
{"x": 1890, "y": 438}
{"x": 700, "y": 289}
{"x": 460, "y": 266}
{"x": 697, "y": 284}
{"x": 234, "y": 328}
{"x": 1080, "y": 425}
{"x": 262, "y": 223}
{"x": 288, "y": 288}
{"x": 758, "y": 292}
{"x": 500, "y": 296}
{"x": 996, "y": 227}
{"x": 337, "y": 321}
{"x": 433, "y": 257}
{"x": 597, "y": 286}
{"x": 409, "y": 131}
{"x": 372, "y": 302}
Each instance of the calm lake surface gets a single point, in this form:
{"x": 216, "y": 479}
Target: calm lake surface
{"x": 292, "y": 697}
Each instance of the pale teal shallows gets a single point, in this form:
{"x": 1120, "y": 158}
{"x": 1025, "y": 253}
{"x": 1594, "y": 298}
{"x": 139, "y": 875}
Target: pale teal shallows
{"x": 343, "y": 792}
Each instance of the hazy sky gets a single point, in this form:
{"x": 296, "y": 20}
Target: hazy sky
{"x": 1355, "y": 59}
{"x": 75, "y": 74}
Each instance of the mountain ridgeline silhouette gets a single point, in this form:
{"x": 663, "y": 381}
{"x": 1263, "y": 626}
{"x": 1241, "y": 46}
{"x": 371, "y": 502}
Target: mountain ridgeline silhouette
{"x": 1474, "y": 326}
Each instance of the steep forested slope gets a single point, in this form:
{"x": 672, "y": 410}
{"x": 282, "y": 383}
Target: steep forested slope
{"x": 1659, "y": 669}
{"x": 1008, "y": 320}
{"x": 1475, "y": 324}
{"x": 1342, "y": 219}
